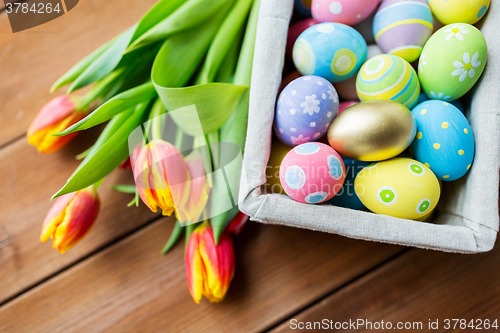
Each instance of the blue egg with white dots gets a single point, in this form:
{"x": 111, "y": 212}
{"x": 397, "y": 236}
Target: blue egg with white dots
{"x": 444, "y": 141}
{"x": 347, "y": 197}
{"x": 423, "y": 98}
{"x": 333, "y": 51}
{"x": 305, "y": 109}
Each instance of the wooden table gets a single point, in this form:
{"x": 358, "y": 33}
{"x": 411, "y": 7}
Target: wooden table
{"x": 117, "y": 280}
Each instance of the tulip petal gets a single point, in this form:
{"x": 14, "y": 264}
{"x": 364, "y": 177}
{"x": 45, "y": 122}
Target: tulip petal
{"x": 195, "y": 270}
{"x": 52, "y": 113}
{"x": 55, "y": 216}
{"x": 80, "y": 216}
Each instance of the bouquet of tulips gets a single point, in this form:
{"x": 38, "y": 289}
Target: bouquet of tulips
{"x": 173, "y": 92}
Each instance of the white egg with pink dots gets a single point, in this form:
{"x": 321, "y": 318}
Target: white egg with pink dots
{"x": 312, "y": 173}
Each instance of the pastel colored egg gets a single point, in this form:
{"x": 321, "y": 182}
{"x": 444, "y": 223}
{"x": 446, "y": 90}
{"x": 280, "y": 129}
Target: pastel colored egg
{"x": 388, "y": 77}
{"x": 303, "y": 7}
{"x": 399, "y": 187}
{"x": 347, "y": 197}
{"x": 452, "y": 61}
{"x": 278, "y": 153}
{"x": 312, "y": 173}
{"x": 333, "y": 51}
{"x": 347, "y": 89}
{"x": 373, "y": 131}
{"x": 342, "y": 11}
{"x": 444, "y": 141}
{"x": 459, "y": 11}
{"x": 347, "y": 104}
{"x": 294, "y": 32}
{"x": 305, "y": 110}
{"x": 423, "y": 98}
{"x": 401, "y": 27}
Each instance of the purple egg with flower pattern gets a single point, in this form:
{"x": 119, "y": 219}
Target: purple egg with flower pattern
{"x": 305, "y": 109}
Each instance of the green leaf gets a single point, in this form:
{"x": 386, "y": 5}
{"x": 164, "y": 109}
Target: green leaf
{"x": 118, "y": 104}
{"x": 189, "y": 15}
{"x": 225, "y": 37}
{"x": 214, "y": 104}
{"x": 105, "y": 62}
{"x": 174, "y": 237}
{"x": 125, "y": 188}
{"x": 107, "y": 156}
{"x": 78, "y": 69}
{"x": 101, "y": 88}
{"x": 226, "y": 71}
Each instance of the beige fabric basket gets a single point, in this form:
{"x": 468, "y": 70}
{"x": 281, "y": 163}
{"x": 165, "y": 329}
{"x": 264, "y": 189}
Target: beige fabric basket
{"x": 467, "y": 216}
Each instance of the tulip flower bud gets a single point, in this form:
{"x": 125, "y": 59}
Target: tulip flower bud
{"x": 161, "y": 176}
{"x": 56, "y": 116}
{"x": 237, "y": 224}
{"x": 209, "y": 267}
{"x": 70, "y": 218}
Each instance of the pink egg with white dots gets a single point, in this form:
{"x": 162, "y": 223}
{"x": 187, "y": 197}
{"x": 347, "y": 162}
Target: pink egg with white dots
{"x": 312, "y": 173}
{"x": 343, "y": 11}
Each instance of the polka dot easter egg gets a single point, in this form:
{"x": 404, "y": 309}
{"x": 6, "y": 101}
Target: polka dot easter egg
{"x": 294, "y": 32}
{"x": 312, "y": 173}
{"x": 333, "y": 51}
{"x": 342, "y": 11}
{"x": 303, "y": 7}
{"x": 347, "y": 197}
{"x": 452, "y": 61}
{"x": 305, "y": 110}
{"x": 444, "y": 141}
{"x": 399, "y": 187}
{"x": 459, "y": 11}
{"x": 388, "y": 77}
{"x": 424, "y": 98}
{"x": 401, "y": 27}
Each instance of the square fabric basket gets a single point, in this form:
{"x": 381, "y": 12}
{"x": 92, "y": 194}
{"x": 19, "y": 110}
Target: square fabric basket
{"x": 467, "y": 217}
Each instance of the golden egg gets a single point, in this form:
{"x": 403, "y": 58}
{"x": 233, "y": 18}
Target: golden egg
{"x": 373, "y": 131}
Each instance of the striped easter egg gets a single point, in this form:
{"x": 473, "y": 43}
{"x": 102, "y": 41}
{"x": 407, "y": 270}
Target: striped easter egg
{"x": 401, "y": 27}
{"x": 388, "y": 77}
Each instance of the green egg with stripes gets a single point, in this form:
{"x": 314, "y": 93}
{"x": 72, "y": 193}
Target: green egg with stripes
{"x": 388, "y": 77}
{"x": 402, "y": 27}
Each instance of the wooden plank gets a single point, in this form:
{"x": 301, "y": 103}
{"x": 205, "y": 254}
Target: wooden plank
{"x": 131, "y": 287}
{"x": 32, "y": 60}
{"x": 28, "y": 181}
{"x": 418, "y": 286}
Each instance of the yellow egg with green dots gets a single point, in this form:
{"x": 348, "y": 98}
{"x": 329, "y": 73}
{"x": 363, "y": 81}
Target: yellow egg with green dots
{"x": 388, "y": 77}
{"x": 459, "y": 11}
{"x": 399, "y": 187}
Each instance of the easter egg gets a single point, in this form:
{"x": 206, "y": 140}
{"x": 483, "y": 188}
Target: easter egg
{"x": 459, "y": 11}
{"x": 294, "y": 32}
{"x": 423, "y": 98}
{"x": 444, "y": 141}
{"x": 399, "y": 187}
{"x": 303, "y": 7}
{"x": 347, "y": 88}
{"x": 278, "y": 153}
{"x": 401, "y": 27}
{"x": 452, "y": 61}
{"x": 312, "y": 173}
{"x": 305, "y": 110}
{"x": 347, "y": 197}
{"x": 372, "y": 131}
{"x": 333, "y": 51}
{"x": 347, "y": 104}
{"x": 342, "y": 11}
{"x": 388, "y": 77}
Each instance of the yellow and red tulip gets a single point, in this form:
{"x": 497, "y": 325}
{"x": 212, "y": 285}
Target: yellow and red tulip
{"x": 209, "y": 267}
{"x": 70, "y": 218}
{"x": 56, "y": 116}
{"x": 161, "y": 176}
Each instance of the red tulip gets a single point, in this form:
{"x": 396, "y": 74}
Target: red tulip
{"x": 237, "y": 224}
{"x": 70, "y": 218}
{"x": 56, "y": 116}
{"x": 209, "y": 267}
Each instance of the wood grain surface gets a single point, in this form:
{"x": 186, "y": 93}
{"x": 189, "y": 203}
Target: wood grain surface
{"x": 131, "y": 287}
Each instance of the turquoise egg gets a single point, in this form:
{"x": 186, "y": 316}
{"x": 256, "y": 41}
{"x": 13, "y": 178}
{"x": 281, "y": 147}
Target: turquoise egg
{"x": 444, "y": 141}
{"x": 347, "y": 197}
{"x": 333, "y": 51}
{"x": 423, "y": 98}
